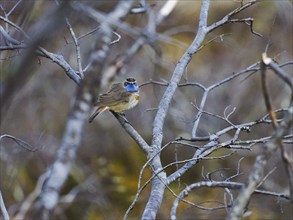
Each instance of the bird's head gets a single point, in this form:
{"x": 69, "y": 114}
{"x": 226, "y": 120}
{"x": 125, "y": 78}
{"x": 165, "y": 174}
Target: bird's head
{"x": 130, "y": 85}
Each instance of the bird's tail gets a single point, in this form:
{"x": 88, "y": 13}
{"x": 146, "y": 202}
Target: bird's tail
{"x": 96, "y": 113}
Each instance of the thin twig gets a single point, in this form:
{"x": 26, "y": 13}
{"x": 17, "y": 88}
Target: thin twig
{"x": 30, "y": 199}
{"x": 20, "y": 142}
{"x": 77, "y": 48}
{"x": 266, "y": 176}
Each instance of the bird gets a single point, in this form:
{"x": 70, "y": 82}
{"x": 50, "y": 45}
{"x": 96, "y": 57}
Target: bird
{"x": 121, "y": 96}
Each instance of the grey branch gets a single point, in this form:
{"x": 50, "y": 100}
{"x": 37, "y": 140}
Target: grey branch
{"x": 277, "y": 69}
{"x": 158, "y": 184}
{"x": 227, "y": 19}
{"x": 60, "y": 61}
{"x": 59, "y": 170}
{"x": 3, "y": 208}
{"x": 28, "y": 202}
{"x": 56, "y": 58}
{"x": 132, "y": 132}
{"x": 222, "y": 184}
{"x": 77, "y": 48}
{"x": 257, "y": 171}
{"x": 20, "y": 142}
{"x": 214, "y": 145}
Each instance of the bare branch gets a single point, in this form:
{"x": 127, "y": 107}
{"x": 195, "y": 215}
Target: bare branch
{"x": 158, "y": 184}
{"x": 223, "y": 184}
{"x": 167, "y": 8}
{"x": 256, "y": 173}
{"x": 265, "y": 177}
{"x": 154, "y": 82}
{"x": 15, "y": 26}
{"x": 13, "y": 8}
{"x": 3, "y": 208}
{"x": 238, "y": 173}
{"x": 227, "y": 19}
{"x": 277, "y": 69}
{"x": 59, "y": 60}
{"x": 59, "y": 170}
{"x": 10, "y": 41}
{"x": 141, "y": 9}
{"x": 211, "y": 147}
{"x": 117, "y": 39}
{"x": 132, "y": 132}
{"x": 199, "y": 114}
{"x": 139, "y": 188}
{"x": 77, "y": 48}
{"x": 248, "y": 21}
{"x": 243, "y": 127}
{"x": 20, "y": 142}
{"x": 202, "y": 152}
{"x": 56, "y": 58}
{"x": 30, "y": 199}
{"x": 286, "y": 159}
{"x": 104, "y": 65}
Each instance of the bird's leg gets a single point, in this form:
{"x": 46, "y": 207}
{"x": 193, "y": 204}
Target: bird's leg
{"x": 122, "y": 114}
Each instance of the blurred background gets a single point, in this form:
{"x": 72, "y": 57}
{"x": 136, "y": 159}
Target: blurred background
{"x": 105, "y": 173}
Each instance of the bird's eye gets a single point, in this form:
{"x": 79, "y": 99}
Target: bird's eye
{"x": 135, "y": 84}
{"x": 125, "y": 84}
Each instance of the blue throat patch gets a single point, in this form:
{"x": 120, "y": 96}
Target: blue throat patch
{"x": 131, "y": 88}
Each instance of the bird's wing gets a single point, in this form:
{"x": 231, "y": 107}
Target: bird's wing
{"x": 116, "y": 95}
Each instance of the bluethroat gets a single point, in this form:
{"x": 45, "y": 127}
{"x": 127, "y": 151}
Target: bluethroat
{"x": 121, "y": 96}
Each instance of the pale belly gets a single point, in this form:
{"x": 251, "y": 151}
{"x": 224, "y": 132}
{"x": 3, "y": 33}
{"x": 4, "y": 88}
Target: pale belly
{"x": 133, "y": 100}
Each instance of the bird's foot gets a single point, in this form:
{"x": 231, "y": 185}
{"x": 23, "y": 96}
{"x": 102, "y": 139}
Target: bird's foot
{"x": 122, "y": 114}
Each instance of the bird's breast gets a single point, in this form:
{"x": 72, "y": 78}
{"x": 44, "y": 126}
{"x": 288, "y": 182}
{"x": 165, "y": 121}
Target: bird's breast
{"x": 132, "y": 102}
